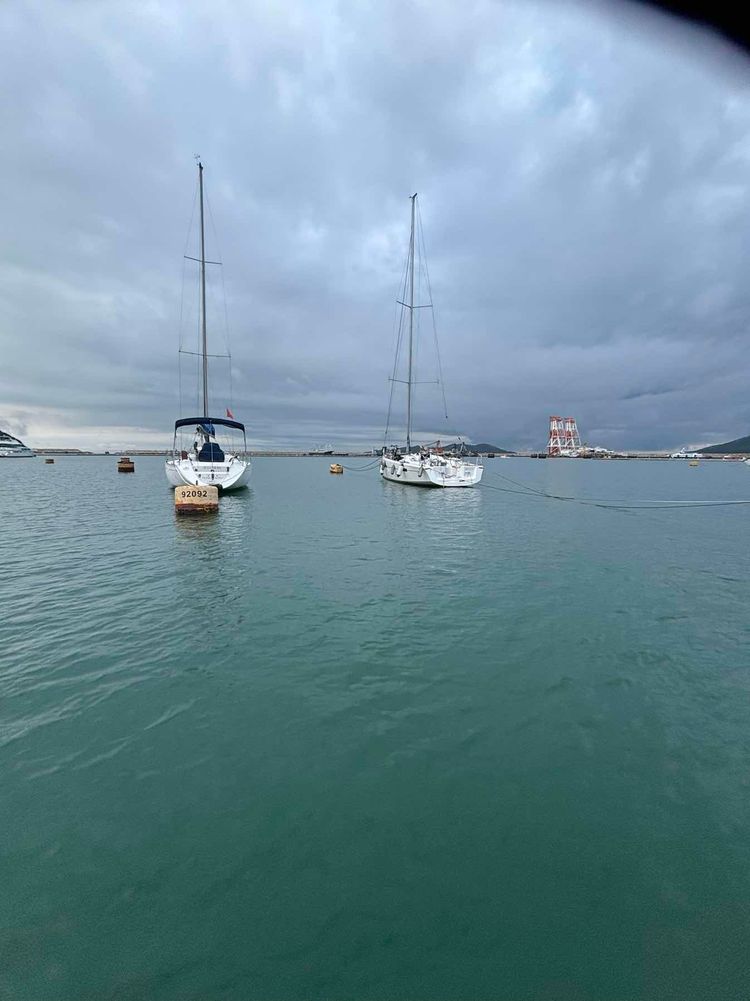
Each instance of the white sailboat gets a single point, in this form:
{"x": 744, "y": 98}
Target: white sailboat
{"x": 423, "y": 465}
{"x": 201, "y": 456}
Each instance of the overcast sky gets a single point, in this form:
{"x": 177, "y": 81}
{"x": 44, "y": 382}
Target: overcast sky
{"x": 583, "y": 180}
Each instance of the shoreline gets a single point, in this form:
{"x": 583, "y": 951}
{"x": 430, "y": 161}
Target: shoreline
{"x": 282, "y": 454}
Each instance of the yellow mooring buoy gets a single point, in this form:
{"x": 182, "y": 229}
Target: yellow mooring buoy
{"x": 196, "y": 500}
{"x": 336, "y": 467}
{"x": 125, "y": 465}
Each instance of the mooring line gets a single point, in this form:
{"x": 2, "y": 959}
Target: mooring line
{"x": 360, "y": 469}
{"x": 613, "y": 503}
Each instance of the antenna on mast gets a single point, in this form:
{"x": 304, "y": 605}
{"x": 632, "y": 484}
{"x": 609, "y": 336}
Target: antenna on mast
{"x": 204, "y": 348}
{"x": 410, "y": 307}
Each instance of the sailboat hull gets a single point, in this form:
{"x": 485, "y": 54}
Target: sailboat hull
{"x": 207, "y": 464}
{"x": 433, "y": 471}
{"x": 231, "y": 475}
{"x": 419, "y": 466}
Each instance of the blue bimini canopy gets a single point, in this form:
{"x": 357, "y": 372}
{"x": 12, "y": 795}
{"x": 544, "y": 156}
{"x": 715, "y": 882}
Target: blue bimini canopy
{"x": 208, "y": 422}
{"x": 210, "y": 452}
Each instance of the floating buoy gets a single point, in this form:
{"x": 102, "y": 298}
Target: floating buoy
{"x": 336, "y": 467}
{"x": 125, "y": 465}
{"x": 196, "y": 500}
{"x": 693, "y": 462}
{"x": 49, "y": 462}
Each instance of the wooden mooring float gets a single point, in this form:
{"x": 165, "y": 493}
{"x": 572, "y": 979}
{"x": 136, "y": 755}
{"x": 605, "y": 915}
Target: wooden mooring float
{"x": 196, "y": 500}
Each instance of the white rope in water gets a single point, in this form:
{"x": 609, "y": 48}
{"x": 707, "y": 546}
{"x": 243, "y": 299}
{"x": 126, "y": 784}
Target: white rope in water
{"x": 608, "y": 502}
{"x": 359, "y": 469}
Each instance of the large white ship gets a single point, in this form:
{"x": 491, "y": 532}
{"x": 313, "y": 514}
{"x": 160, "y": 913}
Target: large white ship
{"x": 14, "y": 448}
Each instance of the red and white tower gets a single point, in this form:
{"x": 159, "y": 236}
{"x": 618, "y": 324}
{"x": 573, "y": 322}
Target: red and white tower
{"x": 572, "y": 437}
{"x": 563, "y": 436}
{"x": 556, "y": 436}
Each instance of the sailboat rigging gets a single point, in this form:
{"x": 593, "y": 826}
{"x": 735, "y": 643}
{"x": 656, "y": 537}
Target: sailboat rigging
{"x": 205, "y": 462}
{"x": 425, "y": 465}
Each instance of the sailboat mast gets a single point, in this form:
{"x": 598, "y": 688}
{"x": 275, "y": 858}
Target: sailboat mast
{"x": 203, "y": 298}
{"x": 411, "y": 325}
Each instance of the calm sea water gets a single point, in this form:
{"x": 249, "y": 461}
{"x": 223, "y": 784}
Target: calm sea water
{"x": 354, "y": 741}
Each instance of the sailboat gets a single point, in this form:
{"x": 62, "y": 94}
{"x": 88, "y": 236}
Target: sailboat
{"x": 422, "y": 465}
{"x": 200, "y": 456}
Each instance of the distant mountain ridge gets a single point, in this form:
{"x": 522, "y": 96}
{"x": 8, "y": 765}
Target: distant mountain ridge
{"x": 484, "y": 447}
{"x": 737, "y": 445}
{"x": 464, "y": 448}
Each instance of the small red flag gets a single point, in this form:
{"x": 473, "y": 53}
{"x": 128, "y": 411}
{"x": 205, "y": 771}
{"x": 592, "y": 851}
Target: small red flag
{"x": 229, "y": 413}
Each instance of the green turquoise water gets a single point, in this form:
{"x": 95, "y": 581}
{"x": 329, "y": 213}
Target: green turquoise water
{"x": 354, "y": 741}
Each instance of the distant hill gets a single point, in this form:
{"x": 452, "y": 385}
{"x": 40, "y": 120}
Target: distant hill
{"x": 738, "y": 445}
{"x": 462, "y": 448}
{"x": 484, "y": 447}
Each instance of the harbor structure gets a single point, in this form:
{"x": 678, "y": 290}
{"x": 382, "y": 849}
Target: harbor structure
{"x": 564, "y": 438}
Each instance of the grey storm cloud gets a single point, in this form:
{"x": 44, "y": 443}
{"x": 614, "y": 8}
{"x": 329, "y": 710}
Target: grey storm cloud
{"x": 582, "y": 171}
